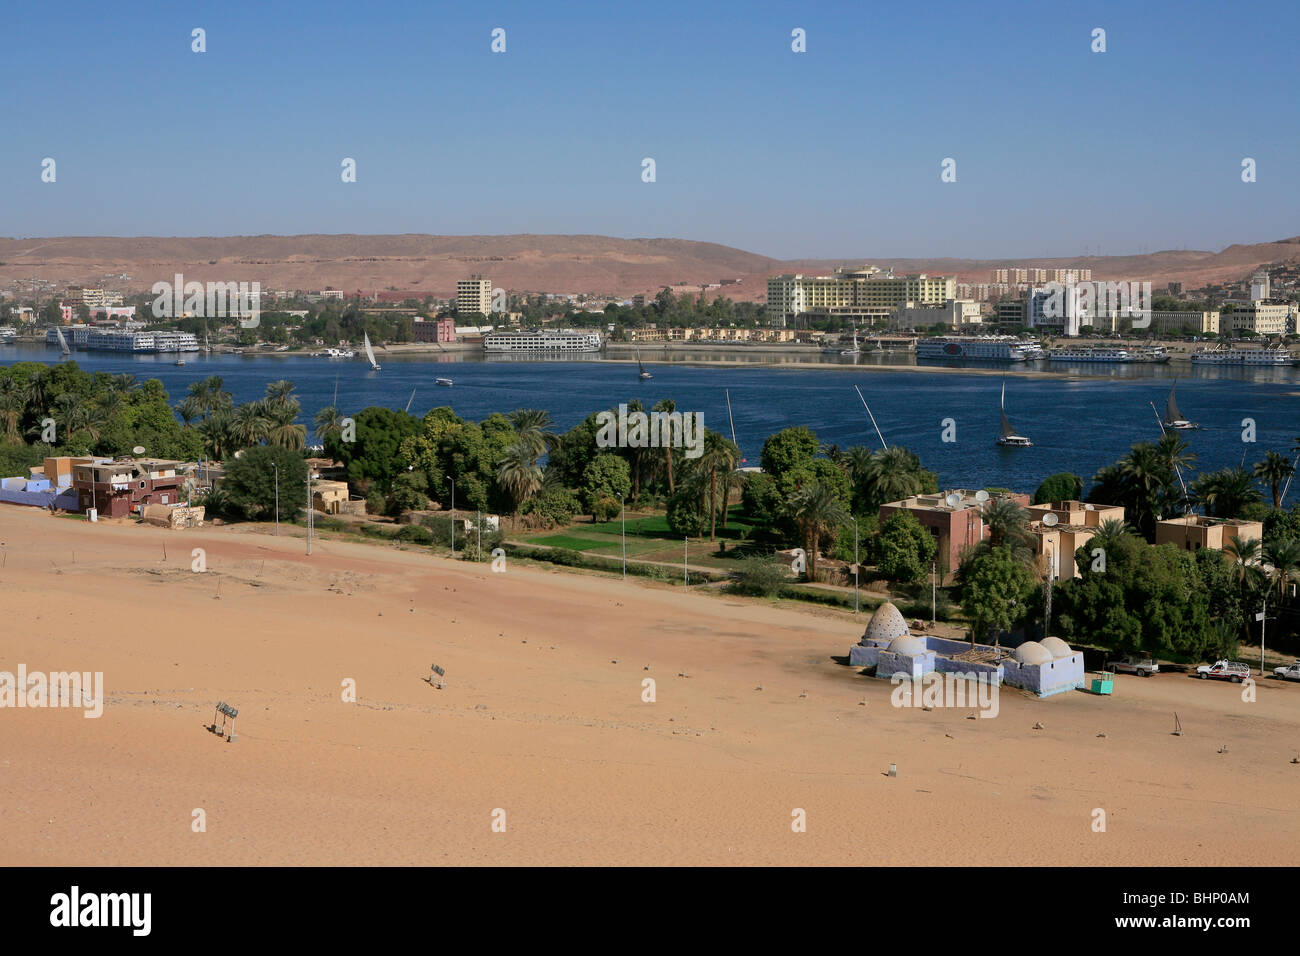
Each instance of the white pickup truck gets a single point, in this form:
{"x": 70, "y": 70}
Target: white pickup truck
{"x": 1234, "y": 671}
{"x": 1290, "y": 672}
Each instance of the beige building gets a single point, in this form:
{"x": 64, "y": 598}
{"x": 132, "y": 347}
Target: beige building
{"x": 1265, "y": 317}
{"x": 1204, "y": 323}
{"x": 868, "y": 293}
{"x": 1193, "y": 532}
{"x": 1072, "y": 525}
{"x": 955, "y": 313}
{"x": 474, "y": 295}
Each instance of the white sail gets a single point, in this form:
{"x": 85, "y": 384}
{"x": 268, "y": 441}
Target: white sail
{"x": 370, "y": 353}
{"x": 63, "y": 343}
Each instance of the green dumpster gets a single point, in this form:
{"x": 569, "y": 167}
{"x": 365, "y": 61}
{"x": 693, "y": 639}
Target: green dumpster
{"x": 1102, "y": 683}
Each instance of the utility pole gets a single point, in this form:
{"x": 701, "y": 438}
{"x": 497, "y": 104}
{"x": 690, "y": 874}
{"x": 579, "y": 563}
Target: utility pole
{"x": 686, "y": 578}
{"x": 934, "y": 587}
{"x": 276, "y": 466}
{"x": 1262, "y": 617}
{"x": 453, "y": 515}
{"x": 623, "y": 517}
{"x": 855, "y": 564}
{"x": 309, "y": 510}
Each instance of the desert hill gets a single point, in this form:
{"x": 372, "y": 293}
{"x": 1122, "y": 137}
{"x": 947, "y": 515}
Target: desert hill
{"x": 550, "y": 263}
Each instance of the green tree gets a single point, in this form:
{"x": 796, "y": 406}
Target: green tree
{"x": 1062, "y": 486}
{"x": 904, "y": 549}
{"x": 250, "y": 482}
{"x": 817, "y": 512}
{"x": 607, "y": 476}
{"x": 1273, "y": 473}
{"x": 787, "y": 449}
{"x": 375, "y": 457}
{"x": 995, "y": 589}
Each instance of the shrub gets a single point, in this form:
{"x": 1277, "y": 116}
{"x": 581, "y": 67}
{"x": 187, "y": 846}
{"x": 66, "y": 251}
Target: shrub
{"x": 761, "y": 577}
{"x": 416, "y": 534}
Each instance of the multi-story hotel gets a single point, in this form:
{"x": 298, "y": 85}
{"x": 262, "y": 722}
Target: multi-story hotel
{"x": 1263, "y": 317}
{"x": 474, "y": 295}
{"x": 862, "y": 294}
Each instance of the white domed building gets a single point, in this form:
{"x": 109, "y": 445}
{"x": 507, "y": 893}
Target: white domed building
{"x": 888, "y": 645}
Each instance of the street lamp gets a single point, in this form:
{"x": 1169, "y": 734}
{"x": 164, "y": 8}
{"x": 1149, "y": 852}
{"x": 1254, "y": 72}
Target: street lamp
{"x": 855, "y": 563}
{"x": 276, "y": 466}
{"x": 310, "y": 476}
{"x": 453, "y": 515}
{"x": 623, "y": 516}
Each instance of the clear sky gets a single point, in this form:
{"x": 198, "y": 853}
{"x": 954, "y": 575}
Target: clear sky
{"x": 834, "y": 152}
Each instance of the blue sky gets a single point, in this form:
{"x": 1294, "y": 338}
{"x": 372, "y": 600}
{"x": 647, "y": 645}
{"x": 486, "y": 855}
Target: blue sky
{"x": 834, "y": 152}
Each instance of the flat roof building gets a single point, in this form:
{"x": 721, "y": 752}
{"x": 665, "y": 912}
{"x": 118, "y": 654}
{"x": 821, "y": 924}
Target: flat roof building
{"x": 955, "y": 527}
{"x": 1193, "y": 532}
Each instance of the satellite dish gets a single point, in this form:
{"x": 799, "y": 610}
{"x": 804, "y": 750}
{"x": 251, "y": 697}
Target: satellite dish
{"x": 239, "y": 454}
{"x": 953, "y": 500}
{"x": 1050, "y": 519}
{"x": 138, "y": 450}
{"x": 981, "y": 496}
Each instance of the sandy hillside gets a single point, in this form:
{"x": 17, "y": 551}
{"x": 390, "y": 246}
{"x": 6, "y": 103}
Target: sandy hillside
{"x": 543, "y": 717}
{"x": 539, "y": 263}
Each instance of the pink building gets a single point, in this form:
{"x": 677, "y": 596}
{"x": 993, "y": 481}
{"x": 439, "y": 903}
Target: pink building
{"x": 434, "y": 330}
{"x": 955, "y": 526}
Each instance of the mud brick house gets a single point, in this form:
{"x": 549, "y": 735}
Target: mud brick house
{"x": 120, "y": 488}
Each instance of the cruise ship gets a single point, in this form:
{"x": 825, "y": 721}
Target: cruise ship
{"x": 7, "y": 335}
{"x": 989, "y": 348}
{"x": 1243, "y": 357}
{"x": 1081, "y": 354}
{"x": 116, "y": 340}
{"x": 565, "y": 340}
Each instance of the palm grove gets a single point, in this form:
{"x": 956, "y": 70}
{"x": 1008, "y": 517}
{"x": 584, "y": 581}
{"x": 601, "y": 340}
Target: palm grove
{"x": 824, "y": 499}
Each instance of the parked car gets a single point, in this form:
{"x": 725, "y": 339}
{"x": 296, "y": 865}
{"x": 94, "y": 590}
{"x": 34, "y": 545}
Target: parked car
{"x": 1234, "y": 671}
{"x": 1290, "y": 672}
{"x": 1133, "y": 665}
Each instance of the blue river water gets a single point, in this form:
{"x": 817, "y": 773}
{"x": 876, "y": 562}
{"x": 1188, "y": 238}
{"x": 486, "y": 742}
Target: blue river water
{"x": 1078, "y": 421}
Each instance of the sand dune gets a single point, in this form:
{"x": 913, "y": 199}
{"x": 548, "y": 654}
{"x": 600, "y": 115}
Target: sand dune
{"x": 543, "y": 718}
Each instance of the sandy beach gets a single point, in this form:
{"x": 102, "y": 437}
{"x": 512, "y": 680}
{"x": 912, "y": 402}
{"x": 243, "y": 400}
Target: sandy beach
{"x": 543, "y": 717}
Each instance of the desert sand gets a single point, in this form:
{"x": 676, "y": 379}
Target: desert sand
{"x": 543, "y": 717}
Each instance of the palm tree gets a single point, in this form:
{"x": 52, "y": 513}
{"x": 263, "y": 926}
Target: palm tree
{"x": 12, "y": 407}
{"x": 892, "y": 474}
{"x": 667, "y": 406}
{"x": 328, "y": 422}
{"x": 1008, "y": 523}
{"x": 816, "y": 510}
{"x": 216, "y": 431}
{"x": 1283, "y": 557}
{"x": 534, "y": 426}
{"x": 1109, "y": 533}
{"x": 1246, "y": 555}
{"x": 123, "y": 382}
{"x": 518, "y": 474}
{"x": 1225, "y": 493}
{"x": 283, "y": 430}
{"x": 1148, "y": 478}
{"x": 189, "y": 408}
{"x": 719, "y": 455}
{"x": 38, "y": 388}
{"x": 1273, "y": 472}
{"x": 249, "y": 425}
{"x": 280, "y": 391}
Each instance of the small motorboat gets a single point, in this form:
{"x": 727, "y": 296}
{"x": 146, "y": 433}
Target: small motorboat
{"x": 442, "y": 381}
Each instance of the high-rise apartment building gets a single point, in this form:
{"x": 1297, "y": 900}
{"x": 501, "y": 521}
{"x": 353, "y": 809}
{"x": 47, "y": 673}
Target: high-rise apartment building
{"x": 474, "y": 295}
